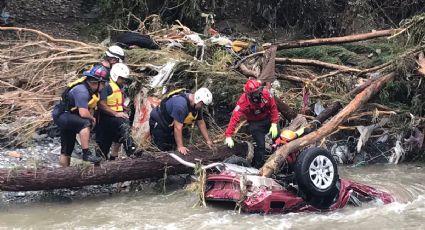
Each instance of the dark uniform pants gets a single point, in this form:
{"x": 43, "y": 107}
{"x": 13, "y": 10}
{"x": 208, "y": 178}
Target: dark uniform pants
{"x": 259, "y": 130}
{"x": 70, "y": 124}
{"x": 113, "y": 129}
{"x": 162, "y": 134}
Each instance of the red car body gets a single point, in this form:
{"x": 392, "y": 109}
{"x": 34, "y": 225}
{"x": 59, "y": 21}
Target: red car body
{"x": 258, "y": 194}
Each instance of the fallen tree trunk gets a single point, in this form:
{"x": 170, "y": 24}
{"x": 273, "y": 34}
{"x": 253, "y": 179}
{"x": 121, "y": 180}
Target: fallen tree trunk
{"x": 48, "y": 37}
{"x": 110, "y": 172}
{"x": 316, "y": 63}
{"x": 276, "y": 160}
{"x": 325, "y": 41}
{"x": 336, "y": 40}
{"x": 284, "y": 109}
{"x": 331, "y": 110}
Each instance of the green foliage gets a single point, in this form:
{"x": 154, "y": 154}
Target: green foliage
{"x": 329, "y": 54}
{"x": 394, "y": 92}
{"x": 415, "y": 30}
{"x": 364, "y": 55}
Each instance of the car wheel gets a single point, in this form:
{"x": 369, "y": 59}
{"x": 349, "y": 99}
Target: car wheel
{"x": 316, "y": 172}
{"x": 237, "y": 161}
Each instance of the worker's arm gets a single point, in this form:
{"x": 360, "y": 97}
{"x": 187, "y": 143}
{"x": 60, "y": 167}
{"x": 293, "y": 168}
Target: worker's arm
{"x": 81, "y": 99}
{"x": 106, "y": 109}
{"x": 204, "y": 131}
{"x": 234, "y": 120}
{"x": 178, "y": 137}
{"x": 85, "y": 113}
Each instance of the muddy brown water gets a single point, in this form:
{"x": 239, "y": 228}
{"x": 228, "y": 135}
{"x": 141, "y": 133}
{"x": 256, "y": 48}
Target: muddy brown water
{"x": 174, "y": 210}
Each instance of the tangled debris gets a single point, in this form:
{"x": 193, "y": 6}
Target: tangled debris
{"x": 36, "y": 66}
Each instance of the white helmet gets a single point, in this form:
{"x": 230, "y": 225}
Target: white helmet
{"x": 119, "y": 70}
{"x": 204, "y": 95}
{"x": 116, "y": 52}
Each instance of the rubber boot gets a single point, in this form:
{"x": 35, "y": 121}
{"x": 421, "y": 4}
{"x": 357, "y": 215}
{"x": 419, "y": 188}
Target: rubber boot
{"x": 129, "y": 146}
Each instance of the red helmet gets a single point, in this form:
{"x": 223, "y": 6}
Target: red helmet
{"x": 251, "y": 86}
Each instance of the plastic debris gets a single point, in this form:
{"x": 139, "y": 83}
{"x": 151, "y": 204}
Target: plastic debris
{"x": 398, "y": 154}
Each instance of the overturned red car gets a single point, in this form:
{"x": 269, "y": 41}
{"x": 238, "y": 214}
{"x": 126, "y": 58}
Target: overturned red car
{"x": 312, "y": 185}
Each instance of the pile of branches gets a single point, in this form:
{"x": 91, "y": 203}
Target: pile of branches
{"x": 35, "y": 68}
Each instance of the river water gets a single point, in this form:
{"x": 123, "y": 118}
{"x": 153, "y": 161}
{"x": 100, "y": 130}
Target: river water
{"x": 174, "y": 210}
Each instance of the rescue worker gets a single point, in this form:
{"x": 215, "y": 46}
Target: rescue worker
{"x": 114, "y": 124}
{"x": 178, "y": 109}
{"x": 260, "y": 110}
{"x": 114, "y": 54}
{"x": 73, "y": 115}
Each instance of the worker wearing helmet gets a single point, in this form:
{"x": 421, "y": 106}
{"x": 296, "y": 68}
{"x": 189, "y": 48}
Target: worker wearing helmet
{"x": 73, "y": 114}
{"x": 113, "y": 54}
{"x": 260, "y": 110}
{"x": 114, "y": 124}
{"x": 176, "y": 110}
{"x": 285, "y": 137}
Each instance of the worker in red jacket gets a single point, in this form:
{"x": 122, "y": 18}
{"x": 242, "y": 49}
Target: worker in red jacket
{"x": 260, "y": 110}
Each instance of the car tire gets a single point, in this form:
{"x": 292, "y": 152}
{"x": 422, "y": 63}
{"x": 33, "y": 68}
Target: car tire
{"x": 237, "y": 161}
{"x": 316, "y": 172}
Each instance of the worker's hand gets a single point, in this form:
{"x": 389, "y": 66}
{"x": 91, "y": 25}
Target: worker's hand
{"x": 183, "y": 150}
{"x": 229, "y": 142}
{"x": 122, "y": 115}
{"x": 211, "y": 145}
{"x": 273, "y": 130}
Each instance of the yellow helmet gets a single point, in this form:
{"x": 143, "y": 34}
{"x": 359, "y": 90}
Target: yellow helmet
{"x": 288, "y": 135}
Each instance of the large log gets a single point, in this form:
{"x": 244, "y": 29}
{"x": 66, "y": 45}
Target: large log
{"x": 316, "y": 63}
{"x": 276, "y": 160}
{"x": 325, "y": 41}
{"x": 284, "y": 109}
{"x": 336, "y": 40}
{"x": 146, "y": 166}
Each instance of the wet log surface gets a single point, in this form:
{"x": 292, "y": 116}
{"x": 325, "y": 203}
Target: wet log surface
{"x": 110, "y": 172}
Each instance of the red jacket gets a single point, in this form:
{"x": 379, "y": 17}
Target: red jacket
{"x": 267, "y": 109}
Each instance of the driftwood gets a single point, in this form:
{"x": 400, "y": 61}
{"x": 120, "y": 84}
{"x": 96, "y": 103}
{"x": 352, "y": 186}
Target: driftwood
{"x": 325, "y": 41}
{"x": 110, "y": 172}
{"x": 46, "y": 36}
{"x": 316, "y": 63}
{"x": 329, "y": 111}
{"x": 291, "y": 78}
{"x": 275, "y": 161}
{"x": 336, "y": 40}
{"x": 285, "y": 110}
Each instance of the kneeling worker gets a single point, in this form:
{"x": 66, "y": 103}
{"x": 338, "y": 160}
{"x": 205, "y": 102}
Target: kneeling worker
{"x": 178, "y": 109}
{"x": 73, "y": 115}
{"x": 114, "y": 124}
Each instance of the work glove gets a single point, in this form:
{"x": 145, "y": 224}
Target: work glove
{"x": 300, "y": 131}
{"x": 229, "y": 142}
{"x": 273, "y": 130}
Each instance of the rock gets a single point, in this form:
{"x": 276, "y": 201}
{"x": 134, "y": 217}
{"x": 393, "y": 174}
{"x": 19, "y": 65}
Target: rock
{"x": 15, "y": 154}
{"x": 20, "y": 194}
{"x": 39, "y": 137}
